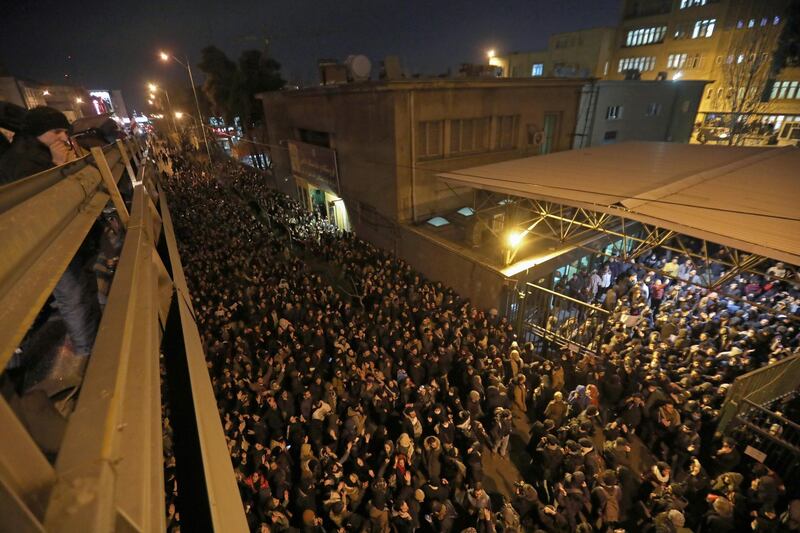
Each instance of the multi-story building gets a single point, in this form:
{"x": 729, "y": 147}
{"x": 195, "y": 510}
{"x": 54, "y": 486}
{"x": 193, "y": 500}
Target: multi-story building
{"x": 74, "y": 102}
{"x": 365, "y": 156}
{"x": 730, "y": 42}
{"x": 614, "y": 111}
{"x": 576, "y": 54}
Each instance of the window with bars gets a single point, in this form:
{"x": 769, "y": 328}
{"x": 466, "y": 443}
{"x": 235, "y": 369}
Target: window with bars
{"x": 642, "y": 64}
{"x": 469, "y": 135}
{"x": 506, "y": 137}
{"x": 704, "y": 28}
{"x": 538, "y": 69}
{"x": 643, "y": 36}
{"x": 430, "y": 137}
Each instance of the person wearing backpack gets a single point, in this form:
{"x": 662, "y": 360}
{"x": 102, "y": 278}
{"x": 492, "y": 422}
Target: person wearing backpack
{"x": 607, "y": 495}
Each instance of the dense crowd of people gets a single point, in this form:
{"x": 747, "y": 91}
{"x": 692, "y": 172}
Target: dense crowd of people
{"x": 375, "y": 412}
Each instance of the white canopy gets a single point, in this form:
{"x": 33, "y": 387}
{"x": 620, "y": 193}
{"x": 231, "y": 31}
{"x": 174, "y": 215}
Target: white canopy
{"x": 745, "y": 198}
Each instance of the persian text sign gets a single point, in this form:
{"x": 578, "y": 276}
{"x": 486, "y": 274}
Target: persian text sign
{"x": 314, "y": 163}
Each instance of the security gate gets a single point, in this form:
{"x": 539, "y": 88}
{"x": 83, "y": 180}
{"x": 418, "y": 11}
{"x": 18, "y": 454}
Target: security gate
{"x": 552, "y": 320}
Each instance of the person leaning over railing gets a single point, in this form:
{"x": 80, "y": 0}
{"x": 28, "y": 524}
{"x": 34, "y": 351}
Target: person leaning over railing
{"x": 42, "y": 144}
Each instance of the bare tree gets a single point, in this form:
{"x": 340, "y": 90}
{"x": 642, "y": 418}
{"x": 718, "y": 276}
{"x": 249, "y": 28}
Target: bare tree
{"x": 745, "y": 72}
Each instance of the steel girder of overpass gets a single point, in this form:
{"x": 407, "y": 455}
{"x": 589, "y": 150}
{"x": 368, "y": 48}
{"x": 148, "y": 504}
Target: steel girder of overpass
{"x": 574, "y": 226}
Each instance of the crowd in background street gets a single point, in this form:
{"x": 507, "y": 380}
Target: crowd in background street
{"x": 373, "y": 412}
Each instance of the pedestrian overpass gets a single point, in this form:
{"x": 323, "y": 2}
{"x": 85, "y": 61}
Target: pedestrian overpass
{"x": 108, "y": 474}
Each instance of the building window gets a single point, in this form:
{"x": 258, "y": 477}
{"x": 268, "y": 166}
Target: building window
{"x": 653, "y": 110}
{"x": 610, "y": 135}
{"x": 507, "y": 127}
{"x": 709, "y": 93}
{"x": 739, "y": 25}
{"x": 429, "y": 139}
{"x": 692, "y": 3}
{"x": 785, "y": 90}
{"x": 764, "y": 21}
{"x": 549, "y": 133}
{"x": 537, "y": 70}
{"x": 704, "y": 28}
{"x": 644, "y": 36}
{"x": 675, "y": 61}
{"x": 614, "y": 112}
{"x": 776, "y": 21}
{"x": 469, "y": 135}
{"x": 642, "y": 64}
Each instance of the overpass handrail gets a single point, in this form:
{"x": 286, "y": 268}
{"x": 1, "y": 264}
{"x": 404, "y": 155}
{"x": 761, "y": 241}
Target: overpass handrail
{"x": 109, "y": 471}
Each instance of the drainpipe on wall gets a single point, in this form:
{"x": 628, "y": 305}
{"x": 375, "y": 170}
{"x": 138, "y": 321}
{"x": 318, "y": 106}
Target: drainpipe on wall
{"x": 413, "y": 151}
{"x": 591, "y": 113}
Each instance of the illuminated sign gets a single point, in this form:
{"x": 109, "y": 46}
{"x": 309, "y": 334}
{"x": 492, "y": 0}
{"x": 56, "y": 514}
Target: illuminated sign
{"x": 101, "y": 100}
{"x": 315, "y": 163}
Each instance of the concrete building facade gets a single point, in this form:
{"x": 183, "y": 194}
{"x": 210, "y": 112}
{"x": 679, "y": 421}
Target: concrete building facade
{"x": 577, "y": 54}
{"x": 637, "y": 110}
{"x": 74, "y": 102}
{"x": 373, "y": 149}
{"x": 729, "y": 42}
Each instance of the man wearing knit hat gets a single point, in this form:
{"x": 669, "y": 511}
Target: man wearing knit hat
{"x": 42, "y": 144}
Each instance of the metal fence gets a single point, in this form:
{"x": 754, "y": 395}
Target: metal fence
{"x": 552, "y": 320}
{"x": 760, "y": 387}
{"x": 769, "y": 438}
{"x": 108, "y": 473}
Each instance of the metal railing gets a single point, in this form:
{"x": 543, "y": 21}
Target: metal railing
{"x": 109, "y": 472}
{"x": 551, "y": 320}
{"x": 760, "y": 387}
{"x": 769, "y": 438}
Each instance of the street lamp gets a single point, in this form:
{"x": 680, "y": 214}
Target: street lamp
{"x": 45, "y": 93}
{"x": 153, "y": 88}
{"x": 178, "y": 115}
{"x": 188, "y": 66}
{"x": 79, "y": 100}
{"x": 490, "y": 54}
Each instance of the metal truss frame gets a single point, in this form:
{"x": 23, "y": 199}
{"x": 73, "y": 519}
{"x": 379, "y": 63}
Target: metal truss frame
{"x": 574, "y": 225}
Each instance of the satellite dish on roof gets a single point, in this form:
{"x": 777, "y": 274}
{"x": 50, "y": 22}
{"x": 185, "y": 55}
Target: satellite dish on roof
{"x": 358, "y": 66}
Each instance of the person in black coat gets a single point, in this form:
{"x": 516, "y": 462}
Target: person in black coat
{"x": 43, "y": 143}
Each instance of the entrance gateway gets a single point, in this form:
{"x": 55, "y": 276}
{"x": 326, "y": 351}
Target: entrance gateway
{"x": 325, "y": 203}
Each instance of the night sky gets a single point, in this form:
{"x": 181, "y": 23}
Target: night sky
{"x": 113, "y": 45}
